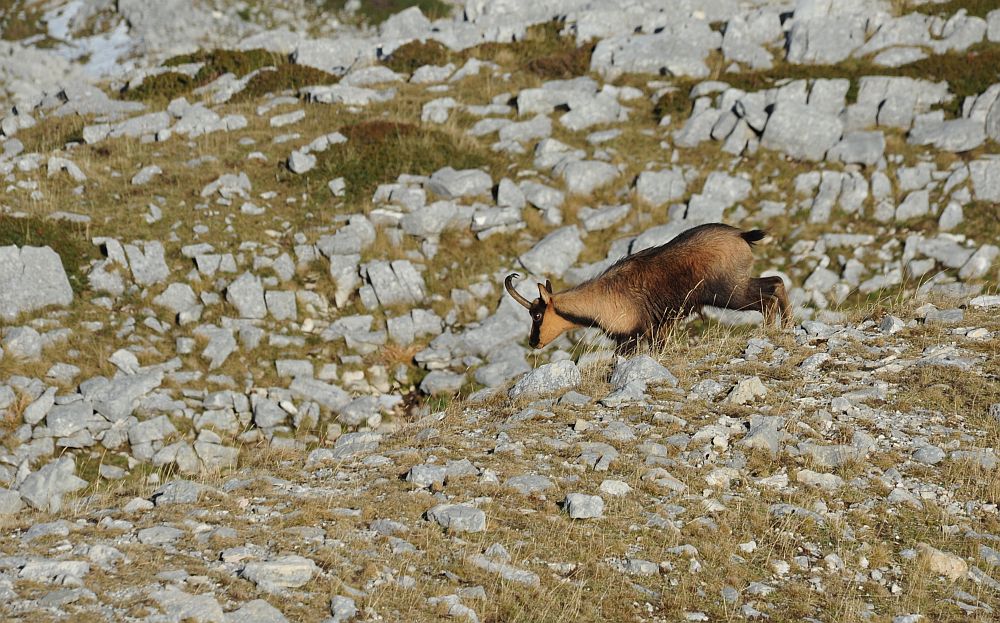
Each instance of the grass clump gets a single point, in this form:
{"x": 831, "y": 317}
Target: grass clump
{"x": 288, "y": 78}
{"x": 20, "y": 21}
{"x": 52, "y": 133}
{"x": 68, "y": 240}
{"x": 216, "y": 63}
{"x": 543, "y": 52}
{"x": 411, "y": 56}
{"x": 220, "y": 62}
{"x": 379, "y": 151}
{"x": 165, "y": 86}
{"x": 374, "y": 12}
{"x": 981, "y": 221}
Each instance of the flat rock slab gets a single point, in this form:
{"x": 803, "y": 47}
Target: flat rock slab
{"x": 178, "y": 605}
{"x": 458, "y": 517}
{"x": 548, "y": 379}
{"x": 582, "y": 506}
{"x": 31, "y": 278}
{"x": 44, "y": 488}
{"x": 801, "y": 132}
{"x": 285, "y": 572}
{"x": 178, "y": 492}
{"x": 642, "y": 370}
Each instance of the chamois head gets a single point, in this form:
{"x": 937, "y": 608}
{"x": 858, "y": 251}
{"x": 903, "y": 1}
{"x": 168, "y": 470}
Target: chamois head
{"x": 546, "y": 323}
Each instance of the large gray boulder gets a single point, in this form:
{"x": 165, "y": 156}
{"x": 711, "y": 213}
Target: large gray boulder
{"x": 246, "y": 294}
{"x": 681, "y": 49}
{"x": 43, "y": 489}
{"x": 396, "y": 282}
{"x": 555, "y": 253}
{"x": 801, "y": 131}
{"x": 335, "y": 56}
{"x": 156, "y": 28}
{"x": 660, "y": 187}
{"x": 548, "y": 379}
{"x": 993, "y": 25}
{"x": 985, "y": 174}
{"x": 826, "y": 39}
{"x": 864, "y": 148}
{"x": 450, "y": 183}
{"x": 952, "y": 135}
{"x": 31, "y": 278}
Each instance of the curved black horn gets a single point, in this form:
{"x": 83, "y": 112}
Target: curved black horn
{"x": 509, "y": 284}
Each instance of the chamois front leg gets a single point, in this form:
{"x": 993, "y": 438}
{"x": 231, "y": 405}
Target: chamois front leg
{"x": 768, "y": 296}
{"x": 627, "y": 344}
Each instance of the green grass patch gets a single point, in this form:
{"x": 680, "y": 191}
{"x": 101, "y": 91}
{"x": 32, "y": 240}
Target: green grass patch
{"x": 374, "y": 12}
{"x": 378, "y": 151}
{"x": 68, "y": 240}
{"x": 974, "y": 8}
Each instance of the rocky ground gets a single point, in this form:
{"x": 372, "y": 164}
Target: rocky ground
{"x": 257, "y": 364}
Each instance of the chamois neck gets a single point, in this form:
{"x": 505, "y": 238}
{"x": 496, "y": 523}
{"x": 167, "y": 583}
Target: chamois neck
{"x": 577, "y": 305}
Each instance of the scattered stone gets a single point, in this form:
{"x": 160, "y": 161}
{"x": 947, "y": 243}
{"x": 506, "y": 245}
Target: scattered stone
{"x": 582, "y": 506}
{"x": 943, "y": 563}
{"x": 45, "y": 488}
{"x": 458, "y": 517}
{"x": 285, "y": 572}
{"x": 746, "y": 391}
{"x": 547, "y": 379}
{"x": 31, "y": 279}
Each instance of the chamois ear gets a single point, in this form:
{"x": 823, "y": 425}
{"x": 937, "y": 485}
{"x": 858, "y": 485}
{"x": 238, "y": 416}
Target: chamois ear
{"x": 548, "y": 286}
{"x": 545, "y": 293}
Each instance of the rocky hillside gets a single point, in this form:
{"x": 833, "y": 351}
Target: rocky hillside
{"x": 257, "y": 363}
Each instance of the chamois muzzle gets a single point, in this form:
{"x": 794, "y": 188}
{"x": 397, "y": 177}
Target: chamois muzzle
{"x": 509, "y": 284}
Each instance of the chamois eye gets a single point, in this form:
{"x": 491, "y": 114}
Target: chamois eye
{"x": 537, "y": 317}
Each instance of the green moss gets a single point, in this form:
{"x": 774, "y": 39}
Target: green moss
{"x": 377, "y": 152}
{"x": 68, "y": 240}
{"x": 288, "y": 77}
{"x": 374, "y": 12}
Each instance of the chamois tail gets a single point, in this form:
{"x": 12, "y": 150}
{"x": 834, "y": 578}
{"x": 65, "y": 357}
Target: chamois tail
{"x": 754, "y": 236}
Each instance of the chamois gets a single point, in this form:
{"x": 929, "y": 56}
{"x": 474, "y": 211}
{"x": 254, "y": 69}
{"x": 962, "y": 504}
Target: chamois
{"x": 642, "y": 294}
